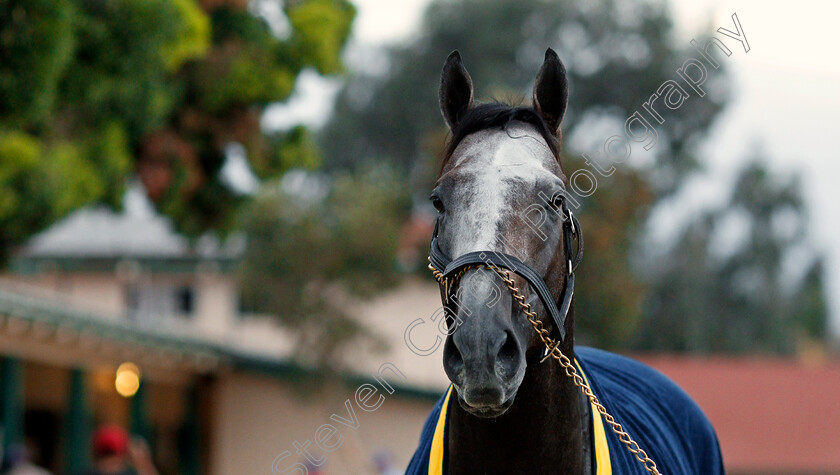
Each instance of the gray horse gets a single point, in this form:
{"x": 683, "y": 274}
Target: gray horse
{"x": 511, "y": 407}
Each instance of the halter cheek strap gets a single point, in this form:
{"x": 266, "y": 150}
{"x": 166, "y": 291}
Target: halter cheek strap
{"x": 447, "y": 272}
{"x": 450, "y": 268}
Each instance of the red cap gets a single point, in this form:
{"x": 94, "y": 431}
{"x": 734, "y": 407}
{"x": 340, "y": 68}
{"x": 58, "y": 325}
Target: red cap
{"x": 110, "y": 440}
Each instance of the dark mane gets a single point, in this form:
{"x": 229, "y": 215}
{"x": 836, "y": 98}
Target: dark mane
{"x": 498, "y": 115}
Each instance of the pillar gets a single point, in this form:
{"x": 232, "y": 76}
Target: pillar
{"x": 11, "y": 401}
{"x": 77, "y": 425}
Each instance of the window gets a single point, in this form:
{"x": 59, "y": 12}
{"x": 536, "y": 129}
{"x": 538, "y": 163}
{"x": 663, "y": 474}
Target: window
{"x": 184, "y": 300}
{"x": 147, "y": 302}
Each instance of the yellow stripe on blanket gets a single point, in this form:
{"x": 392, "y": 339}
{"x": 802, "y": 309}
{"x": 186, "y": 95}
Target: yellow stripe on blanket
{"x": 436, "y": 453}
{"x": 602, "y": 449}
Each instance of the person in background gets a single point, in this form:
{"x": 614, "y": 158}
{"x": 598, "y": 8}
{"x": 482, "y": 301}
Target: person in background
{"x": 115, "y": 454}
{"x": 384, "y": 462}
{"x": 313, "y": 469}
{"x": 18, "y": 462}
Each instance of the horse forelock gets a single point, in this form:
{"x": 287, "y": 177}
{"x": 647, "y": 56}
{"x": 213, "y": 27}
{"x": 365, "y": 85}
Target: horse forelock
{"x": 498, "y": 116}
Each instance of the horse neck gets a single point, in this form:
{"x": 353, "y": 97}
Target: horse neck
{"x": 542, "y": 430}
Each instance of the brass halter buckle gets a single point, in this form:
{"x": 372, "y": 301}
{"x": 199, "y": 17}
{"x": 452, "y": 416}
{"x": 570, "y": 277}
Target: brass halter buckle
{"x": 547, "y": 352}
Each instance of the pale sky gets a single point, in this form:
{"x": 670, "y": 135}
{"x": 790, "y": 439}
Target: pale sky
{"x": 786, "y": 97}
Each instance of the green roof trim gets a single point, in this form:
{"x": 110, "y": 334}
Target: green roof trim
{"x": 58, "y": 316}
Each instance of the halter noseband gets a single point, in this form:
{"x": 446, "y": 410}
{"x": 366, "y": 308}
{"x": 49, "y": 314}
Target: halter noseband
{"x": 450, "y": 268}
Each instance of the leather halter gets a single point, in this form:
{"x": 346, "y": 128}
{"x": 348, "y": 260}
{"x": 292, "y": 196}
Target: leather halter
{"x": 571, "y": 229}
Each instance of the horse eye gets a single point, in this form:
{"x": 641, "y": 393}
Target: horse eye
{"x": 557, "y": 200}
{"x": 437, "y": 203}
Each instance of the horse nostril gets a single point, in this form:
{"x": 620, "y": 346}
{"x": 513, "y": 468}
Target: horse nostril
{"x": 453, "y": 361}
{"x": 507, "y": 360}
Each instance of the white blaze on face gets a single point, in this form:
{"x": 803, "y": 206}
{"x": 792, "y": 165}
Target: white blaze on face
{"x": 500, "y": 164}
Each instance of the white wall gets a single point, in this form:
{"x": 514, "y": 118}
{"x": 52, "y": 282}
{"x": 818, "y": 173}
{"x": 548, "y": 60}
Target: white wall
{"x": 259, "y": 417}
{"x": 215, "y": 304}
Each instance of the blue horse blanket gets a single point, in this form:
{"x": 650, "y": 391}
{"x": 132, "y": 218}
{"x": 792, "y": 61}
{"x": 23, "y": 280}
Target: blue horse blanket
{"x": 656, "y": 413}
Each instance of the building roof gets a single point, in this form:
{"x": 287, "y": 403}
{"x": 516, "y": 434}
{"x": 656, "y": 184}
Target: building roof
{"x": 97, "y": 239}
{"x": 772, "y": 415}
{"x": 100, "y": 232}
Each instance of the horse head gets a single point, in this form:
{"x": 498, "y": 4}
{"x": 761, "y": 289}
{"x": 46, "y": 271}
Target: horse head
{"x": 500, "y": 190}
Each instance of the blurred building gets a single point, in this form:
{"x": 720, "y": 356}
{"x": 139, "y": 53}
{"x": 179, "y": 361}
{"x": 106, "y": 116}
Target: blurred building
{"x": 115, "y": 318}
{"x": 772, "y": 415}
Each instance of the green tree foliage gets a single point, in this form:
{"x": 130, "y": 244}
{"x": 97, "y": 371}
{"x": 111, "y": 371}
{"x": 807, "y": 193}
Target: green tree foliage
{"x": 706, "y": 298}
{"x": 616, "y": 54}
{"x": 609, "y": 295}
{"x": 316, "y": 244}
{"x": 92, "y": 91}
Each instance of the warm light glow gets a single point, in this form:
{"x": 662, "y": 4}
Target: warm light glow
{"x": 127, "y": 381}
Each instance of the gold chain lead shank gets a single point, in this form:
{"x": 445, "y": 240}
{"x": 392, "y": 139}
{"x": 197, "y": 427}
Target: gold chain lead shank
{"x": 553, "y": 351}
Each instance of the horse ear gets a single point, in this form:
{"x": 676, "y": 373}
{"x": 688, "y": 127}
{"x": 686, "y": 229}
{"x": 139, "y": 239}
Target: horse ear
{"x": 551, "y": 90}
{"x": 456, "y": 90}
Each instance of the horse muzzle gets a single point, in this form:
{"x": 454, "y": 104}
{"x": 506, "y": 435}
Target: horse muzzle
{"x": 484, "y": 357}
